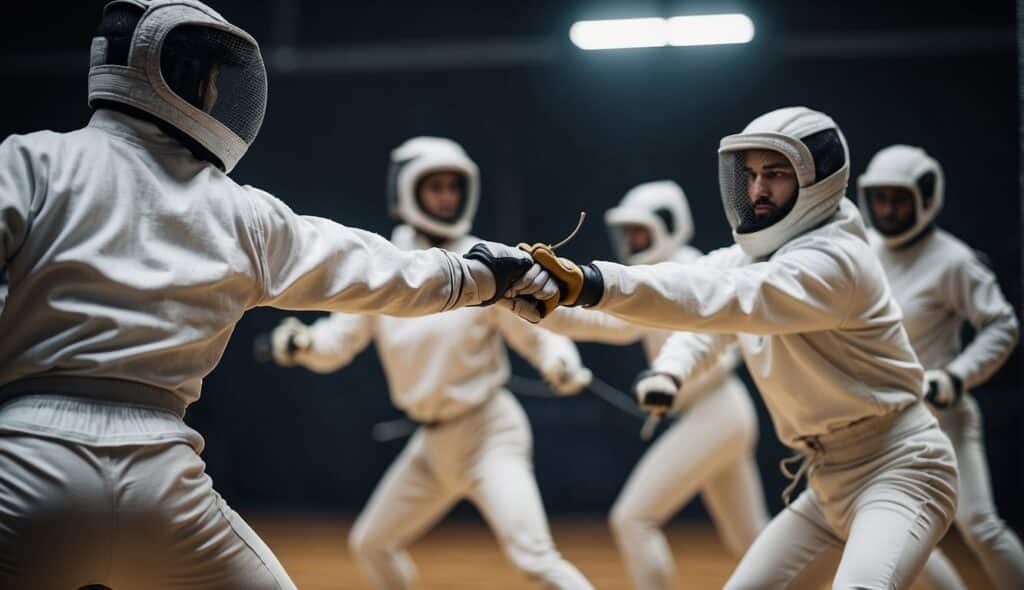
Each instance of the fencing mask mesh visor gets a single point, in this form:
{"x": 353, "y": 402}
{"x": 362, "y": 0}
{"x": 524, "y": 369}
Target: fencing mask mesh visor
{"x": 188, "y": 68}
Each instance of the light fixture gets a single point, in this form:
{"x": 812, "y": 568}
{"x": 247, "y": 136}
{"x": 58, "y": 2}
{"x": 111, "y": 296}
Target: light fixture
{"x": 709, "y": 29}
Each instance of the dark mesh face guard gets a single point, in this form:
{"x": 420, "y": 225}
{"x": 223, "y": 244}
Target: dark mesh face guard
{"x": 218, "y": 73}
{"x": 733, "y": 178}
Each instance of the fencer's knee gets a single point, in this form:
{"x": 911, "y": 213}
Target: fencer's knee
{"x": 626, "y": 522}
{"x": 535, "y": 558}
{"x": 620, "y": 520}
{"x": 362, "y": 543}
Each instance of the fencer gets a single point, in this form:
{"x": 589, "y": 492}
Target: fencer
{"x": 131, "y": 255}
{"x": 448, "y": 373}
{"x": 941, "y": 284}
{"x": 716, "y": 423}
{"x": 808, "y": 301}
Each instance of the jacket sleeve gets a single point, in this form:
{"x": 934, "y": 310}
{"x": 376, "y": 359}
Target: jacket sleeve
{"x": 309, "y": 263}
{"x": 694, "y": 358}
{"x": 23, "y": 183}
{"x": 973, "y": 291}
{"x": 587, "y": 325}
{"x": 803, "y": 290}
{"x": 335, "y": 341}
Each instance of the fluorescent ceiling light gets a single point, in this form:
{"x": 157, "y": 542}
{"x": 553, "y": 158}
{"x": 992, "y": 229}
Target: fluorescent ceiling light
{"x": 619, "y": 33}
{"x": 711, "y": 29}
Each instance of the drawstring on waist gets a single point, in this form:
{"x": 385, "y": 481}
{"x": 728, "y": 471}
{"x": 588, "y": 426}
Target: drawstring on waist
{"x": 809, "y": 460}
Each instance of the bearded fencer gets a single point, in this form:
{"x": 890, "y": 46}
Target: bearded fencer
{"x": 941, "y": 284}
{"x": 131, "y": 255}
{"x": 807, "y": 300}
{"x": 716, "y": 421}
{"x": 447, "y": 372}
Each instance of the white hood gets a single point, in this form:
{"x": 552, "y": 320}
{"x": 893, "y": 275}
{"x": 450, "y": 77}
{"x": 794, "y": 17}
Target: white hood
{"x": 788, "y": 131}
{"x": 662, "y": 208}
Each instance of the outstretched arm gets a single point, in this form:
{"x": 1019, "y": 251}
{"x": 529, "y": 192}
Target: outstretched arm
{"x": 587, "y": 325}
{"x": 312, "y": 263}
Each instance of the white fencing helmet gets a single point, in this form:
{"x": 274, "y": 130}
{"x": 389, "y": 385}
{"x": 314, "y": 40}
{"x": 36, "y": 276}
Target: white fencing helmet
{"x": 816, "y": 148}
{"x": 417, "y": 158}
{"x": 909, "y": 168}
{"x": 189, "y": 68}
{"x": 662, "y": 208}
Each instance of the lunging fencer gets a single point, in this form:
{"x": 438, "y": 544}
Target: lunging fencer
{"x": 131, "y": 255}
{"x": 716, "y": 421}
{"x": 809, "y": 303}
{"x": 941, "y": 284}
{"x": 447, "y": 372}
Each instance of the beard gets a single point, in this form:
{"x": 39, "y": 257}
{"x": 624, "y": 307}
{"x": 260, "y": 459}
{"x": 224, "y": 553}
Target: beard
{"x": 759, "y": 222}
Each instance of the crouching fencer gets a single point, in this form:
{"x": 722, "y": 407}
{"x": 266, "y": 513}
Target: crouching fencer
{"x": 131, "y": 255}
{"x": 940, "y": 283}
{"x": 447, "y": 372}
{"x": 808, "y": 301}
{"x": 716, "y": 425}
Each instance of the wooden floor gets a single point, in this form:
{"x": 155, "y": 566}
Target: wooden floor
{"x": 463, "y": 555}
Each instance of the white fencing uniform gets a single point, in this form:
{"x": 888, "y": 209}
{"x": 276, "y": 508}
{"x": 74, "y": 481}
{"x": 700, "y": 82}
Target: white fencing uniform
{"x": 448, "y": 373}
{"x": 803, "y": 293}
{"x": 940, "y": 283}
{"x": 130, "y": 261}
{"x": 717, "y": 427}
{"x": 822, "y": 338}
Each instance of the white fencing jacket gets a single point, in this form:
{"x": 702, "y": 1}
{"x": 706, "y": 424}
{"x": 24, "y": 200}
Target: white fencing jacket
{"x": 817, "y": 325}
{"x": 588, "y": 325}
{"x": 129, "y": 259}
{"x": 940, "y": 283}
{"x": 438, "y": 367}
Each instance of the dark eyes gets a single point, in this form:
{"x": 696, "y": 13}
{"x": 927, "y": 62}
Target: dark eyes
{"x": 769, "y": 174}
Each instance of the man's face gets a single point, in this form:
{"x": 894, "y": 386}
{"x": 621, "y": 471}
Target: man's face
{"x": 638, "y": 237}
{"x": 771, "y": 182}
{"x": 892, "y": 208}
{"x": 440, "y": 194}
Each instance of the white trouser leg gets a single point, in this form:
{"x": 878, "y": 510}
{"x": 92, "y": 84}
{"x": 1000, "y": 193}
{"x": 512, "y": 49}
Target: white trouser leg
{"x": 797, "y": 550}
{"x": 408, "y": 500}
{"x": 885, "y": 488}
{"x": 887, "y": 547}
{"x": 735, "y": 500}
{"x": 996, "y": 546}
{"x": 708, "y": 449}
{"x": 504, "y": 490}
{"x": 124, "y": 517}
{"x": 940, "y": 574}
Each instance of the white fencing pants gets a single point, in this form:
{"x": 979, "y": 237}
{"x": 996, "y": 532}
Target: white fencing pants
{"x": 996, "y": 546}
{"x": 147, "y": 516}
{"x": 881, "y": 494}
{"x": 484, "y": 456}
{"x": 708, "y": 450}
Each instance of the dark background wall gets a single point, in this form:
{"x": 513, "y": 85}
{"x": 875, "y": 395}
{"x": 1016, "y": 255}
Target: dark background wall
{"x": 556, "y": 130}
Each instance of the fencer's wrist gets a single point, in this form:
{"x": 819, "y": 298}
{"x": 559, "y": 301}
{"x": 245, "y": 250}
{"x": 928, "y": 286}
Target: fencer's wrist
{"x": 676, "y": 382}
{"x": 483, "y": 278}
{"x": 958, "y": 383}
{"x": 943, "y": 388}
{"x": 593, "y": 286}
{"x": 656, "y": 391}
